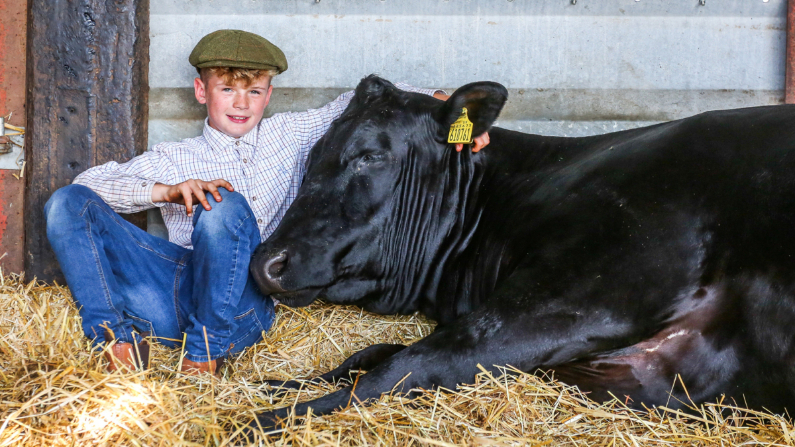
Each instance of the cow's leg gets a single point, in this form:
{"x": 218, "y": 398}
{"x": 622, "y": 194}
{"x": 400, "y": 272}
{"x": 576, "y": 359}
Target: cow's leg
{"x": 697, "y": 357}
{"x": 366, "y": 359}
{"x": 678, "y": 367}
{"x": 490, "y": 336}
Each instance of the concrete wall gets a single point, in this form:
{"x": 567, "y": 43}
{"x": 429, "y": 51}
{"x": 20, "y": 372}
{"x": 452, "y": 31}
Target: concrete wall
{"x": 571, "y": 69}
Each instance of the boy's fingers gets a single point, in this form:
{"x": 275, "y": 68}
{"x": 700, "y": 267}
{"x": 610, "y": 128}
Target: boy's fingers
{"x": 225, "y": 184}
{"x": 458, "y": 147}
{"x": 202, "y": 198}
{"x": 188, "y": 198}
{"x": 481, "y": 142}
{"x": 214, "y": 191}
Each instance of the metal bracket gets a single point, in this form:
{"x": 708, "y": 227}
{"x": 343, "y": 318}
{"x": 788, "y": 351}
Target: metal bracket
{"x": 12, "y": 151}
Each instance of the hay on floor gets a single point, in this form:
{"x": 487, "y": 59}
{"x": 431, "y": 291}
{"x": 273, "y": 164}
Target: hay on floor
{"x": 54, "y": 391}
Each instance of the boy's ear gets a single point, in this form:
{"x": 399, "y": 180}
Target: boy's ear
{"x": 269, "y": 93}
{"x": 483, "y": 100}
{"x": 200, "y": 91}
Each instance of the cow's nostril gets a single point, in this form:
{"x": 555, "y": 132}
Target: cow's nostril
{"x": 275, "y": 266}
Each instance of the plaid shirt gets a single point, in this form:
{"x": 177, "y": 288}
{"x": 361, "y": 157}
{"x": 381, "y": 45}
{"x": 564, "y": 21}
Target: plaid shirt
{"x": 266, "y": 166}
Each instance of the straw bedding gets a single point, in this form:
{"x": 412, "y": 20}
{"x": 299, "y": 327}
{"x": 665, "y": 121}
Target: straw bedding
{"x": 54, "y": 391}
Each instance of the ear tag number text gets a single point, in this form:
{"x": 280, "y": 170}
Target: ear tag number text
{"x": 461, "y": 130}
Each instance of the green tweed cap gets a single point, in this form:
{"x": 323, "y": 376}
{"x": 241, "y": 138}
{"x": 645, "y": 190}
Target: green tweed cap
{"x": 240, "y": 49}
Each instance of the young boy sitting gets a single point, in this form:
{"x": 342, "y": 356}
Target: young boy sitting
{"x": 130, "y": 285}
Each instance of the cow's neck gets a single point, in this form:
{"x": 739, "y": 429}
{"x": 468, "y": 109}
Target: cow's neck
{"x": 480, "y": 248}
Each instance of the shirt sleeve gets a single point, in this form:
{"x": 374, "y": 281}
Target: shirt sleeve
{"x": 309, "y": 126}
{"x": 127, "y": 187}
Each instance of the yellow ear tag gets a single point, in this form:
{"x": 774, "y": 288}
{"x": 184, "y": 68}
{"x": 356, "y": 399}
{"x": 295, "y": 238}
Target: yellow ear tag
{"x": 461, "y": 130}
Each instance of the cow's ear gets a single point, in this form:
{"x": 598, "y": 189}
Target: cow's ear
{"x": 371, "y": 88}
{"x": 483, "y": 101}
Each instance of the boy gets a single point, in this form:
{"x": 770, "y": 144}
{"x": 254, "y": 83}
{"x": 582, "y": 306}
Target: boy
{"x": 129, "y": 284}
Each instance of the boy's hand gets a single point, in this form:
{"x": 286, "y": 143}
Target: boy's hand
{"x": 189, "y": 192}
{"x": 479, "y": 142}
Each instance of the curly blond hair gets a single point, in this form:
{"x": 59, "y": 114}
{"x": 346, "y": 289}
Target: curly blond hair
{"x": 233, "y": 75}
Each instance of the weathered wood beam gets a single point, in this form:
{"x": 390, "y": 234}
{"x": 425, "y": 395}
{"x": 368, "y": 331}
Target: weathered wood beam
{"x": 789, "y": 96}
{"x": 87, "y": 93}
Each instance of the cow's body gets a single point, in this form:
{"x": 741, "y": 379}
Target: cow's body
{"x": 619, "y": 261}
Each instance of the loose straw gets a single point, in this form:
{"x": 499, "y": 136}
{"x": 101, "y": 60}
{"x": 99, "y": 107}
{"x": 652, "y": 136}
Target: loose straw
{"x": 54, "y": 391}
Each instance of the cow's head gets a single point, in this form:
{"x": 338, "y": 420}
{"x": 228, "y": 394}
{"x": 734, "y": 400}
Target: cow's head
{"x": 383, "y": 200}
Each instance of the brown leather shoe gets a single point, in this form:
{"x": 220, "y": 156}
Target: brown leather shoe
{"x": 194, "y": 368}
{"x": 123, "y": 355}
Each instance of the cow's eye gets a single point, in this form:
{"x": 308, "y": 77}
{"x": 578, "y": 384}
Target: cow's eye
{"x": 372, "y": 157}
{"x": 370, "y": 160}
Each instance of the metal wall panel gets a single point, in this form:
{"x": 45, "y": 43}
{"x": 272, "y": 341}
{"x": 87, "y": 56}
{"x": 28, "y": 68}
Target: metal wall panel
{"x": 571, "y": 69}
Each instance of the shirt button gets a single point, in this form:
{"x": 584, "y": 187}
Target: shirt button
{"x": 143, "y": 184}
{"x": 245, "y": 160}
{"x": 259, "y": 220}
{"x": 237, "y": 143}
{"x": 254, "y": 199}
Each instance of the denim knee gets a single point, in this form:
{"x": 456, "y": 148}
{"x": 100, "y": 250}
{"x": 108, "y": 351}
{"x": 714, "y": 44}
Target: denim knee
{"x": 228, "y": 214}
{"x": 68, "y": 199}
{"x": 65, "y": 204}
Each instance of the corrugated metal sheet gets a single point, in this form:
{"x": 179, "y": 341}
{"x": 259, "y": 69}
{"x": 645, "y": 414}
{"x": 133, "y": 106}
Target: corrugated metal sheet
{"x": 571, "y": 69}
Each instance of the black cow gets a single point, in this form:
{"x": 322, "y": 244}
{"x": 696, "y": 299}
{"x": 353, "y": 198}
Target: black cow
{"x": 618, "y": 261}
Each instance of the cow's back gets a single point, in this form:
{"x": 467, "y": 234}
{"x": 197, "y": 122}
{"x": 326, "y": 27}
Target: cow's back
{"x": 715, "y": 191}
{"x": 732, "y": 171}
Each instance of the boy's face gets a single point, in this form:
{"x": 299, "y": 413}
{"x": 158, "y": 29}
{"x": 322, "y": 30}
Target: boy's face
{"x": 233, "y": 109}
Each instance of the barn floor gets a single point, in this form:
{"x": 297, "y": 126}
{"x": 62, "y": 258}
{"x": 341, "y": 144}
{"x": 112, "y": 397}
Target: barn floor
{"x": 53, "y": 391}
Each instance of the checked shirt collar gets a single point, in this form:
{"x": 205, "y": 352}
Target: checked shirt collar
{"x": 219, "y": 141}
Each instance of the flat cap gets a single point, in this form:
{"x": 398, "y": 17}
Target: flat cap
{"x": 240, "y": 49}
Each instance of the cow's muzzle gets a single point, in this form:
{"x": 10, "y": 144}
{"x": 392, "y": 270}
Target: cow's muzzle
{"x": 269, "y": 275}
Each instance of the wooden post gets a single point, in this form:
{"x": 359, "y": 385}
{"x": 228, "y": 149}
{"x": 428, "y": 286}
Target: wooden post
{"x": 789, "y": 96}
{"x": 87, "y": 93}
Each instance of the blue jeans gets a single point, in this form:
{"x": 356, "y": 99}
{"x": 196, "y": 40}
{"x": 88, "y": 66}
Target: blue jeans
{"x": 125, "y": 278}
